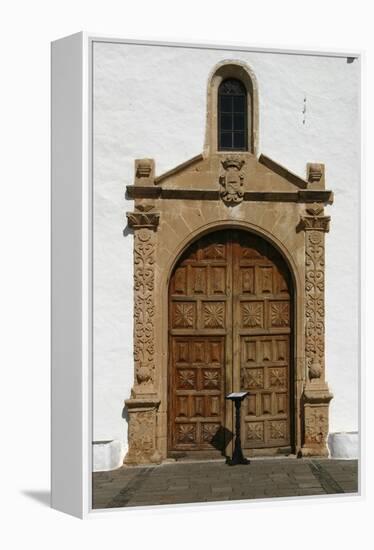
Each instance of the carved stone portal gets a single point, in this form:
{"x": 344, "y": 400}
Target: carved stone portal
{"x": 166, "y": 218}
{"x": 172, "y": 212}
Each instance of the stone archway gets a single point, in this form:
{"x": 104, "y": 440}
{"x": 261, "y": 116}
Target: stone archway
{"x": 230, "y": 329}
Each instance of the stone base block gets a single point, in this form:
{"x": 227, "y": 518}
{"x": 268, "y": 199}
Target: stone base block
{"x": 316, "y": 399}
{"x": 107, "y": 455}
{"x": 320, "y": 451}
{"x": 134, "y": 459}
{"x": 142, "y": 431}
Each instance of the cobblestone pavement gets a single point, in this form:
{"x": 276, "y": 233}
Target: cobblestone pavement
{"x": 216, "y": 481}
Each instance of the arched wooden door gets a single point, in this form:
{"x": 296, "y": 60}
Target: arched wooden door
{"x": 230, "y": 327}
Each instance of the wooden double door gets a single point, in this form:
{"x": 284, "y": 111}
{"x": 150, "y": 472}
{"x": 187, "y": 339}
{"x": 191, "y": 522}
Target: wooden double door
{"x": 230, "y": 327}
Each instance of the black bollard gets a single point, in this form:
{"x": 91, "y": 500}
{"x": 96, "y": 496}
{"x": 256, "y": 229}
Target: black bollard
{"x": 237, "y": 456}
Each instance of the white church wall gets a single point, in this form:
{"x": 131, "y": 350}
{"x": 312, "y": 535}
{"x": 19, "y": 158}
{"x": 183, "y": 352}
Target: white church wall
{"x": 150, "y": 102}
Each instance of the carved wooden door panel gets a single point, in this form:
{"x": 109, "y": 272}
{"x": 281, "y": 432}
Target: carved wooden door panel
{"x": 262, "y": 329}
{"x": 200, "y": 344}
{"x": 229, "y": 330}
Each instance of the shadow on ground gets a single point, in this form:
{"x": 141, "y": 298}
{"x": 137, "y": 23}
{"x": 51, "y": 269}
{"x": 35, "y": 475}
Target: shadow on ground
{"x": 43, "y": 497}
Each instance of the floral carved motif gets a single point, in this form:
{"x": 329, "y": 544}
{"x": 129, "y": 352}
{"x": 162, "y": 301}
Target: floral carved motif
{"x": 255, "y": 431}
{"x": 184, "y": 315}
{"x": 186, "y": 378}
{"x": 278, "y": 429}
{"x": 315, "y": 226}
{"x": 209, "y": 431}
{"x": 252, "y": 314}
{"x": 252, "y": 378}
{"x": 315, "y": 303}
{"x": 144, "y": 249}
{"x": 211, "y": 379}
{"x": 316, "y": 425}
{"x": 277, "y": 378}
{"x": 280, "y": 314}
{"x": 214, "y": 315}
{"x": 186, "y": 433}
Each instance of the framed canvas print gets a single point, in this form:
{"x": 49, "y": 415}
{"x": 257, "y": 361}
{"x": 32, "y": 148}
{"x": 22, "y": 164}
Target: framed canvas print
{"x": 205, "y": 268}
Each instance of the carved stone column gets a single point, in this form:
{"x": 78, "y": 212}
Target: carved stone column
{"x": 316, "y": 396}
{"x": 143, "y": 404}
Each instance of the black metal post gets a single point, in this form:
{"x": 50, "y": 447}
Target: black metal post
{"x": 237, "y": 456}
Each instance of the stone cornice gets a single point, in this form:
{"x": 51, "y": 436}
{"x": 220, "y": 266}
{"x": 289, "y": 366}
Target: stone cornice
{"x": 302, "y": 196}
{"x": 322, "y": 395}
{"x": 142, "y": 403}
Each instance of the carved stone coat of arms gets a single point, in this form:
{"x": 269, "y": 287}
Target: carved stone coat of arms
{"x": 231, "y": 181}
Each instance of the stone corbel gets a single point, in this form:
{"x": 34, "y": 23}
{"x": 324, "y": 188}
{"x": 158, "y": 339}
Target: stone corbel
{"x": 316, "y": 396}
{"x": 143, "y": 404}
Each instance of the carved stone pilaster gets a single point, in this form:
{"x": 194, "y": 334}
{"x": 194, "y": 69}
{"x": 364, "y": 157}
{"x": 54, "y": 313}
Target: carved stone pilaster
{"x": 316, "y": 395}
{"x": 143, "y": 404}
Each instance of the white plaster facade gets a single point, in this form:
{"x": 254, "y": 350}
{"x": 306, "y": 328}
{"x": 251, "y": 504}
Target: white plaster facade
{"x": 150, "y": 102}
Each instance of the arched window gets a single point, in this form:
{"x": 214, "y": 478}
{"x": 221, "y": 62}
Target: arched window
{"x": 232, "y": 109}
{"x": 232, "y": 116}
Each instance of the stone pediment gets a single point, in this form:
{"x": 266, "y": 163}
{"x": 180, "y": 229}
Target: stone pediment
{"x": 233, "y": 177}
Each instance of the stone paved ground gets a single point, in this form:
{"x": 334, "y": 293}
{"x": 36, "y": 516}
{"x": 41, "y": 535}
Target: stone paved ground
{"x": 216, "y": 481}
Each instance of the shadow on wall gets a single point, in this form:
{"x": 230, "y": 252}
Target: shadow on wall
{"x": 125, "y": 414}
{"x": 127, "y": 231}
{"x": 344, "y": 445}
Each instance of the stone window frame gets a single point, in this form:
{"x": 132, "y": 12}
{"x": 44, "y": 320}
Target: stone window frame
{"x": 241, "y": 71}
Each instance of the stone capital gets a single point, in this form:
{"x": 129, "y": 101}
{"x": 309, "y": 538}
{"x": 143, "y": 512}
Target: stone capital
{"x": 139, "y": 220}
{"x": 315, "y": 223}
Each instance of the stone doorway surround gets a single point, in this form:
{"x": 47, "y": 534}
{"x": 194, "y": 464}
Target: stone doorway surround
{"x": 217, "y": 190}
